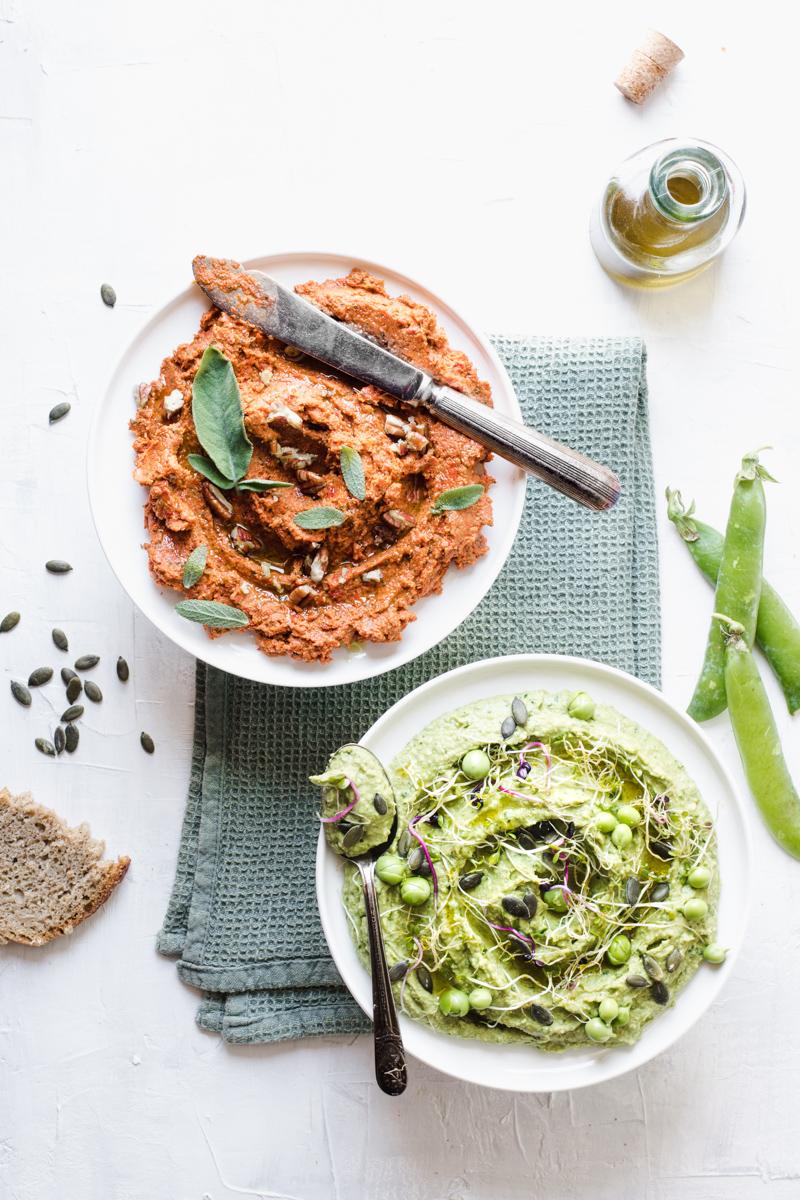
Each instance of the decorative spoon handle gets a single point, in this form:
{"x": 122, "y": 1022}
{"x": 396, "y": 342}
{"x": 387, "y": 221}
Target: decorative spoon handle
{"x": 390, "y": 1061}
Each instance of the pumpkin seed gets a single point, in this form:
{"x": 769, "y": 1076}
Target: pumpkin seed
{"x": 541, "y": 1014}
{"x": 60, "y": 639}
{"x": 380, "y": 805}
{"x": 92, "y": 691}
{"x": 353, "y": 837}
{"x": 57, "y": 566}
{"x": 108, "y": 295}
{"x": 86, "y": 662}
{"x": 71, "y": 737}
{"x": 633, "y": 890}
{"x": 20, "y": 693}
{"x": 674, "y": 960}
{"x": 398, "y": 971}
{"x": 661, "y": 849}
{"x": 58, "y": 411}
{"x": 123, "y": 670}
{"x": 515, "y": 907}
{"x": 415, "y": 859}
{"x": 531, "y": 902}
{"x": 45, "y": 747}
{"x": 507, "y": 728}
{"x": 636, "y": 981}
{"x": 74, "y": 689}
{"x": 425, "y": 978}
{"x": 67, "y": 674}
{"x": 9, "y": 621}
{"x": 659, "y": 892}
{"x": 59, "y": 740}
{"x": 653, "y": 968}
{"x": 470, "y": 881}
{"x": 660, "y": 992}
{"x": 148, "y": 745}
{"x": 519, "y": 711}
{"x": 72, "y": 713}
{"x": 404, "y": 843}
{"x": 40, "y": 676}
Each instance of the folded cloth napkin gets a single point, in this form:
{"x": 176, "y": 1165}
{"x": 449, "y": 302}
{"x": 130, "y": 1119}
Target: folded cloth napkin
{"x": 242, "y": 918}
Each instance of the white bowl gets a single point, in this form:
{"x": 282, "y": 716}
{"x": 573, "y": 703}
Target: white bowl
{"x": 522, "y": 1068}
{"x": 117, "y": 501}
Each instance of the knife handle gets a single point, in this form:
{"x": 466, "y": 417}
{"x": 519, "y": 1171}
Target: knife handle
{"x": 566, "y": 470}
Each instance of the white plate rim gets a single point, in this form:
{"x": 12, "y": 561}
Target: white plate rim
{"x": 609, "y": 1062}
{"x": 375, "y": 660}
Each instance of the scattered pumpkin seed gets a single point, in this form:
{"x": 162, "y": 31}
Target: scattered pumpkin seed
{"x": 20, "y": 693}
{"x": 508, "y": 727}
{"x": 541, "y": 1014}
{"x": 660, "y": 992}
{"x": 148, "y": 744}
{"x": 86, "y": 662}
{"x": 108, "y": 295}
{"x": 515, "y": 907}
{"x": 74, "y": 689}
{"x": 659, "y": 892}
{"x": 67, "y": 674}
{"x": 57, "y": 566}
{"x": 353, "y": 836}
{"x": 71, "y": 737}
{"x": 519, "y": 711}
{"x": 661, "y": 849}
{"x": 59, "y": 740}
{"x": 9, "y": 622}
{"x": 58, "y": 411}
{"x": 60, "y": 639}
{"x": 92, "y": 691}
{"x": 652, "y": 967}
{"x": 425, "y": 978}
{"x": 380, "y": 805}
{"x": 470, "y": 881}
{"x": 45, "y": 747}
{"x": 415, "y": 859}
{"x": 633, "y": 890}
{"x": 674, "y": 960}
{"x": 398, "y": 970}
{"x": 531, "y": 903}
{"x": 123, "y": 670}
{"x": 72, "y": 713}
{"x": 636, "y": 981}
{"x": 40, "y": 676}
{"x": 404, "y": 843}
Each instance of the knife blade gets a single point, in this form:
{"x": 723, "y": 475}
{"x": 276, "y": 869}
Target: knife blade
{"x": 257, "y": 299}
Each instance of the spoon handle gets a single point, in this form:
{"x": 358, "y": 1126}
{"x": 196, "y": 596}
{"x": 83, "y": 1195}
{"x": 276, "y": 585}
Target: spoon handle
{"x": 390, "y": 1061}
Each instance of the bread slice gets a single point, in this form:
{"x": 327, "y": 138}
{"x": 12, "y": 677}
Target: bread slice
{"x": 51, "y": 877}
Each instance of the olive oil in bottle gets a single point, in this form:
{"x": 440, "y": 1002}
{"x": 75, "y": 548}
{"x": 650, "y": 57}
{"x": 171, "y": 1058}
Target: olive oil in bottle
{"x": 668, "y": 212}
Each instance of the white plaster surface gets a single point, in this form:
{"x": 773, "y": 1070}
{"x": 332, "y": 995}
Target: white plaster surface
{"x": 465, "y": 143}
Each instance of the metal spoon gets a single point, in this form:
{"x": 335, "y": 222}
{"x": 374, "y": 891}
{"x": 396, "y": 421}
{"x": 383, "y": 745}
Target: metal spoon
{"x": 390, "y": 1061}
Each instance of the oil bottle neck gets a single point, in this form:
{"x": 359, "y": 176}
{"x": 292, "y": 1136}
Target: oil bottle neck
{"x": 688, "y": 185}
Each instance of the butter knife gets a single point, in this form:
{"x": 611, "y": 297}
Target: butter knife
{"x": 259, "y": 300}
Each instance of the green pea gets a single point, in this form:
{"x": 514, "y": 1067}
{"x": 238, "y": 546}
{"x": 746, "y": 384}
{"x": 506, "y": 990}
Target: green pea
{"x": 699, "y": 877}
{"x": 555, "y": 899}
{"x": 597, "y": 1030}
{"x": 713, "y": 953}
{"x": 622, "y": 836}
{"x": 608, "y": 1010}
{"x": 623, "y": 1016}
{"x": 581, "y": 706}
{"x": 606, "y": 822}
{"x": 453, "y": 1002}
{"x": 695, "y": 909}
{"x": 628, "y": 815}
{"x": 390, "y": 868}
{"x": 480, "y": 998}
{"x": 475, "y": 764}
{"x": 415, "y": 890}
{"x": 619, "y": 949}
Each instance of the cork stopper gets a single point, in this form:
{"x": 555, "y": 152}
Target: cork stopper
{"x": 650, "y": 62}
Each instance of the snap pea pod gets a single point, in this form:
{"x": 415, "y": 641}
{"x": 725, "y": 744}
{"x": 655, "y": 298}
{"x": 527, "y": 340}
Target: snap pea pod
{"x": 777, "y": 629}
{"x": 738, "y": 588}
{"x": 759, "y": 743}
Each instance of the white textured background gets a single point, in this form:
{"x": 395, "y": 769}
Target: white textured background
{"x": 464, "y": 142}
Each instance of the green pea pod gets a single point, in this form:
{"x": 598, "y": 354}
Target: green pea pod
{"x": 759, "y": 744}
{"x": 777, "y": 629}
{"x": 738, "y": 585}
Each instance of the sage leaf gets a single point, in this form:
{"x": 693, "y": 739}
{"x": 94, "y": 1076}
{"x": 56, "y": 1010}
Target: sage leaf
{"x": 212, "y": 614}
{"x": 218, "y": 417}
{"x": 458, "y": 498}
{"x": 261, "y": 485}
{"x": 320, "y": 518}
{"x": 204, "y": 466}
{"x": 353, "y": 472}
{"x": 194, "y": 566}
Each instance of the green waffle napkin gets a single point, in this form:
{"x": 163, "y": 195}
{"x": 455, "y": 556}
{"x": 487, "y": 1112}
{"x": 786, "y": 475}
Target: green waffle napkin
{"x": 242, "y": 916}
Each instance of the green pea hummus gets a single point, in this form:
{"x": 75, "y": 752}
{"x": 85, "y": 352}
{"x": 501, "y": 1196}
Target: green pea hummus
{"x": 561, "y": 911}
{"x": 357, "y": 801}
